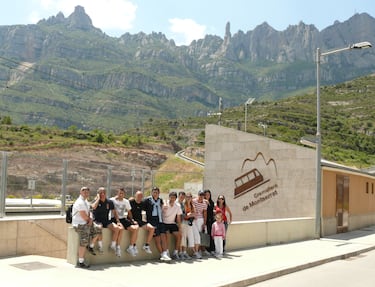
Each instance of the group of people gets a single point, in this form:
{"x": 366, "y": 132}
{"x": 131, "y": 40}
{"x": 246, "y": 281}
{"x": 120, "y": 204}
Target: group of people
{"x": 190, "y": 220}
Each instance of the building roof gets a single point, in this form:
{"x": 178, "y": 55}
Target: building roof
{"x": 368, "y": 172}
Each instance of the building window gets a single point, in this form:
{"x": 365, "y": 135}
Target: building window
{"x": 367, "y": 187}
{"x": 372, "y": 188}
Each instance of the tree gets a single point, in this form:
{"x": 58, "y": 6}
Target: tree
{"x": 6, "y": 120}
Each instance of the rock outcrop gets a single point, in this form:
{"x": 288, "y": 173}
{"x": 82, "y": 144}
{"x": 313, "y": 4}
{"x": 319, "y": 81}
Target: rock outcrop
{"x": 94, "y": 73}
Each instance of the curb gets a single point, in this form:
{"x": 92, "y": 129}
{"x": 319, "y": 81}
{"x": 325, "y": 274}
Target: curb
{"x": 289, "y": 270}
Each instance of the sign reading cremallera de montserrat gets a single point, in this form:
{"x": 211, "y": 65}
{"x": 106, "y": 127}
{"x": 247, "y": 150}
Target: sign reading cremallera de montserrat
{"x": 261, "y": 178}
{"x": 257, "y": 180}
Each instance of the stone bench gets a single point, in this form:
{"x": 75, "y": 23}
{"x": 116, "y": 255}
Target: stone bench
{"x": 109, "y": 256}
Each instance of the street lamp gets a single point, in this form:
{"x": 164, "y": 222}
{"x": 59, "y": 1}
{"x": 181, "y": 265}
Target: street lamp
{"x": 263, "y": 126}
{"x": 248, "y": 102}
{"x": 319, "y": 55}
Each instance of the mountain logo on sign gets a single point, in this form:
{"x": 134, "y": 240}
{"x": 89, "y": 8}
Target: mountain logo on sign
{"x": 254, "y": 176}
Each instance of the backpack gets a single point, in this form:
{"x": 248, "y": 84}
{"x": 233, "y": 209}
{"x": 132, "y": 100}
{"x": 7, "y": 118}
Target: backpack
{"x": 69, "y": 214}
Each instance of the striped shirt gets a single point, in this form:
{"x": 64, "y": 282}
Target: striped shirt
{"x": 199, "y": 207}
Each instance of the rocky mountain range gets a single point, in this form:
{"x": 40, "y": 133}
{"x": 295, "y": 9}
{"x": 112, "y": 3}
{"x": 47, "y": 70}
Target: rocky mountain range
{"x": 64, "y": 72}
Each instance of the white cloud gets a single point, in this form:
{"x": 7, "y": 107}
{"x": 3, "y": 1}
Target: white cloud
{"x": 108, "y": 15}
{"x": 184, "y": 31}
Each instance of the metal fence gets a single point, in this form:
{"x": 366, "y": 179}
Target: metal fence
{"x": 33, "y": 176}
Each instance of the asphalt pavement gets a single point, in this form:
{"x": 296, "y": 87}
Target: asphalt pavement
{"x": 236, "y": 268}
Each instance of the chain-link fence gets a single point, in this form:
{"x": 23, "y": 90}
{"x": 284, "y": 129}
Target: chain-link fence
{"x": 33, "y": 178}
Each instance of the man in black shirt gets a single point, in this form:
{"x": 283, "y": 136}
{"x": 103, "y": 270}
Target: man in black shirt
{"x": 137, "y": 205}
{"x": 153, "y": 206}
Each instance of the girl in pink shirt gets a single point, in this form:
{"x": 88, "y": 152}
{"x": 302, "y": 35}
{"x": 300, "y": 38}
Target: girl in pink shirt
{"x": 218, "y": 234}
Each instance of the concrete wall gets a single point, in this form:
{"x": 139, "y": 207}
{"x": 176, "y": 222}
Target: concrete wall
{"x": 360, "y": 221}
{"x": 289, "y": 173}
{"x": 240, "y": 235}
{"x": 33, "y": 236}
{"x": 53, "y": 237}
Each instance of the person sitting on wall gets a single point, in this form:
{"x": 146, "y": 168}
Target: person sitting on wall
{"x": 172, "y": 221}
{"x": 137, "y": 206}
{"x": 122, "y": 206}
{"x": 153, "y": 206}
{"x": 83, "y": 225}
{"x": 101, "y": 209}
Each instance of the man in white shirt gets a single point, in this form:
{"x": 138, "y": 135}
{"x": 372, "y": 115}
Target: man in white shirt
{"x": 83, "y": 225}
{"x": 172, "y": 221}
{"x": 122, "y": 215}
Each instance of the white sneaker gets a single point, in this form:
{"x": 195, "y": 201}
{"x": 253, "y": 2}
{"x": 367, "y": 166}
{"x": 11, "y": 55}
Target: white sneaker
{"x": 131, "y": 251}
{"x": 100, "y": 250}
{"x": 113, "y": 248}
{"x": 197, "y": 255}
{"x": 165, "y": 257}
{"x": 118, "y": 251}
{"x": 147, "y": 249}
{"x": 135, "y": 250}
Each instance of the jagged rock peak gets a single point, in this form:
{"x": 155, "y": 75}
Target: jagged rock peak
{"x": 228, "y": 35}
{"x": 264, "y": 27}
{"x": 58, "y": 19}
{"x": 79, "y": 19}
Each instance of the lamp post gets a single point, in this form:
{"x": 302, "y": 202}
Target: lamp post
{"x": 248, "y": 102}
{"x": 319, "y": 55}
{"x": 263, "y": 126}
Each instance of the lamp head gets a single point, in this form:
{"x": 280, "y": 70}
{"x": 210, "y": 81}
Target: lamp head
{"x": 361, "y": 45}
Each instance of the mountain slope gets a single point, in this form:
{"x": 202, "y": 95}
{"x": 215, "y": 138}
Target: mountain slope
{"x": 63, "y": 71}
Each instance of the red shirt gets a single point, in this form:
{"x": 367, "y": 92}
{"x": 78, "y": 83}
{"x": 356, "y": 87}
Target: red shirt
{"x": 223, "y": 212}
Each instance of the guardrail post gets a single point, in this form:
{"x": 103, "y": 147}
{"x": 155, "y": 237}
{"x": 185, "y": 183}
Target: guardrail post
{"x": 63, "y": 186}
{"x": 109, "y": 180}
{"x": 143, "y": 181}
{"x": 3, "y": 184}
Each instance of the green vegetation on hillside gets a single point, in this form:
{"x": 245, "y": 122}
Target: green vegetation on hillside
{"x": 348, "y": 125}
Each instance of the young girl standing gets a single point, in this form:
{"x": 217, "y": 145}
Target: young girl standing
{"x": 218, "y": 234}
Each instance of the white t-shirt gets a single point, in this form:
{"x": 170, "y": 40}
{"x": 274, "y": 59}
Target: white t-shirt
{"x": 80, "y": 204}
{"x": 121, "y": 206}
{"x": 170, "y": 212}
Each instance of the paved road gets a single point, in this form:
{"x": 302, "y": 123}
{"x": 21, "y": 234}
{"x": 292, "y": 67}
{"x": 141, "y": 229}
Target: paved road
{"x": 354, "y": 271}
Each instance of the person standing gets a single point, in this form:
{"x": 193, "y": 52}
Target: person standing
{"x": 122, "y": 206}
{"x": 153, "y": 207}
{"x": 223, "y": 208}
{"x": 200, "y": 206}
{"x": 190, "y": 233}
{"x": 101, "y": 209}
{"x": 218, "y": 234}
{"x": 83, "y": 225}
{"x": 137, "y": 205}
{"x": 210, "y": 218}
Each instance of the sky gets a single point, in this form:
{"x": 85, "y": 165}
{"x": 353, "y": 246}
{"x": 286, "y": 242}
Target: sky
{"x": 188, "y": 20}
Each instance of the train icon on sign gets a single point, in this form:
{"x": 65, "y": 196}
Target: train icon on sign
{"x": 248, "y": 181}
